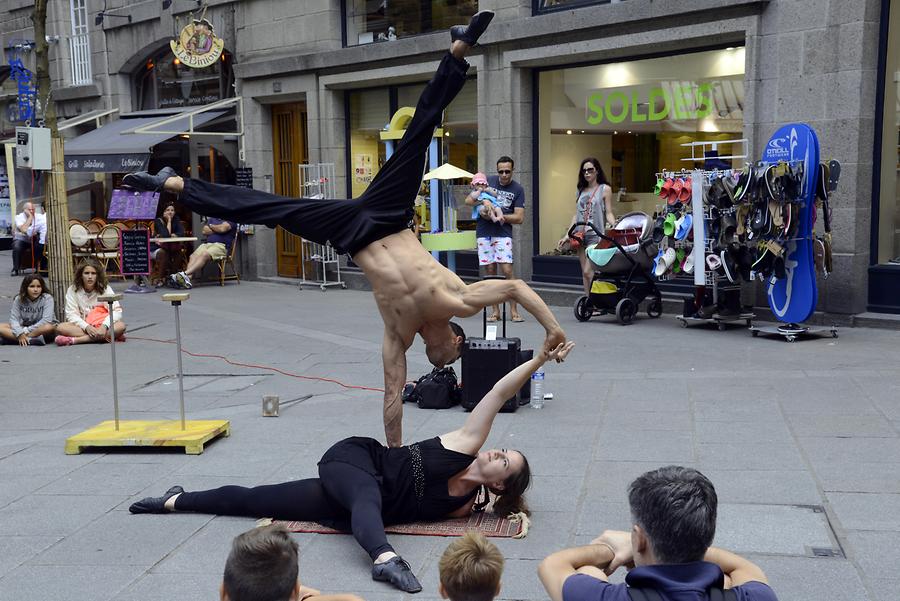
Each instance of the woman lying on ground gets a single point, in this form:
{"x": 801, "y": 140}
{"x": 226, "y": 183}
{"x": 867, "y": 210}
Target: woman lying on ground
{"x": 31, "y": 316}
{"x": 365, "y": 484}
{"x": 88, "y": 319}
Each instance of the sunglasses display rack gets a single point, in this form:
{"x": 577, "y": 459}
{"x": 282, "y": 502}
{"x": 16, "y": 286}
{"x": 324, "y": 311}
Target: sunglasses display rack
{"x": 717, "y": 287}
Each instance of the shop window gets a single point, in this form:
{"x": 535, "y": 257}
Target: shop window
{"x": 164, "y": 82}
{"x": 634, "y": 117}
{"x": 79, "y": 45}
{"x": 889, "y": 186}
{"x": 369, "y": 112}
{"x": 550, "y": 5}
{"x": 385, "y": 20}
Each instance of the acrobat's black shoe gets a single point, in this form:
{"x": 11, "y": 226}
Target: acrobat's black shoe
{"x": 155, "y": 504}
{"x": 144, "y": 182}
{"x": 471, "y": 32}
{"x": 396, "y": 571}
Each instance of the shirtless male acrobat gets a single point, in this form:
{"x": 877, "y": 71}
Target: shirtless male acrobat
{"x": 415, "y": 294}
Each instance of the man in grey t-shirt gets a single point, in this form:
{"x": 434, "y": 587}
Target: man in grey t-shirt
{"x": 495, "y": 239}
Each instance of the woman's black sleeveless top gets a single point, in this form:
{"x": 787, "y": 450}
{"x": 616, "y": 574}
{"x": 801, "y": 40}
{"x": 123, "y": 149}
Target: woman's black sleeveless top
{"x": 413, "y": 478}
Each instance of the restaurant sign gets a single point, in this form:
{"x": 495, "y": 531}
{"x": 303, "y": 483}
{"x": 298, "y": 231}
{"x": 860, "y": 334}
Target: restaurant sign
{"x": 107, "y": 163}
{"x": 197, "y": 46}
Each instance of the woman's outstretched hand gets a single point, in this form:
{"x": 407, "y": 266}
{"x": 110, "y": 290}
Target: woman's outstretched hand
{"x": 561, "y": 351}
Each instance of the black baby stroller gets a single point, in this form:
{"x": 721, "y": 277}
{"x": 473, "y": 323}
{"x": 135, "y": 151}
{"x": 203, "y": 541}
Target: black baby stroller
{"x": 622, "y": 260}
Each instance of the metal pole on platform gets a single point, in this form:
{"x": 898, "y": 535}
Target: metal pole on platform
{"x": 176, "y": 299}
{"x": 176, "y": 304}
{"x": 110, "y": 300}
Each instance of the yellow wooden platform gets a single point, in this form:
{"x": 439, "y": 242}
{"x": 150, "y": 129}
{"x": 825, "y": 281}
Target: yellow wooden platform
{"x": 142, "y": 433}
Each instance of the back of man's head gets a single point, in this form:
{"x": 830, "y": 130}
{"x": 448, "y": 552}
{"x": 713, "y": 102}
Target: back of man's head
{"x": 470, "y": 569}
{"x": 262, "y": 566}
{"x": 676, "y": 508}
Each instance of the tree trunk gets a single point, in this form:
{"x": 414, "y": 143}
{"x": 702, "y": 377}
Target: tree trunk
{"x": 56, "y": 203}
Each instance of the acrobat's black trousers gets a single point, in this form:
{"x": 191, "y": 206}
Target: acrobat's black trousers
{"x": 341, "y": 492}
{"x": 386, "y": 206}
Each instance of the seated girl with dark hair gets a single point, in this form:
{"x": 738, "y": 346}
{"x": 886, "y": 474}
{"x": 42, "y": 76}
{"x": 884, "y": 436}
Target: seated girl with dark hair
{"x": 367, "y": 485}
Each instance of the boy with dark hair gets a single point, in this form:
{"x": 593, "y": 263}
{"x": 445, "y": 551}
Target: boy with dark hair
{"x": 673, "y": 511}
{"x": 470, "y": 569}
{"x": 262, "y": 566}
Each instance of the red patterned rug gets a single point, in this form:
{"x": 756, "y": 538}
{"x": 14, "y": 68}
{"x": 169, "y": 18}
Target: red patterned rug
{"x": 488, "y": 524}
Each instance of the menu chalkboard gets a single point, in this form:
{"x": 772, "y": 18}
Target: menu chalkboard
{"x": 134, "y": 251}
{"x": 243, "y": 177}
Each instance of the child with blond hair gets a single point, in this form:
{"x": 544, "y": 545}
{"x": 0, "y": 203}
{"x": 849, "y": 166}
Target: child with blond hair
{"x": 470, "y": 569}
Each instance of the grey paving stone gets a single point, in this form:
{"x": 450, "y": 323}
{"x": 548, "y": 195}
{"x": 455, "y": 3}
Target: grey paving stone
{"x": 812, "y": 579}
{"x": 876, "y": 553}
{"x": 207, "y": 549}
{"x": 859, "y": 476}
{"x": 743, "y": 432}
{"x": 38, "y": 459}
{"x": 53, "y": 515}
{"x": 806, "y": 425}
{"x": 549, "y": 530}
{"x": 547, "y": 461}
{"x": 16, "y": 550}
{"x": 72, "y": 583}
{"x": 842, "y": 450}
{"x": 121, "y": 539}
{"x": 37, "y": 421}
{"x": 771, "y": 529}
{"x": 597, "y": 516}
{"x": 866, "y": 511}
{"x": 161, "y": 587}
{"x": 649, "y": 420}
{"x": 748, "y": 457}
{"x": 108, "y": 478}
{"x": 553, "y": 493}
{"x": 20, "y": 485}
{"x": 520, "y": 580}
{"x": 884, "y": 589}
{"x": 609, "y": 480}
{"x": 759, "y": 410}
{"x": 645, "y": 445}
{"x": 779, "y": 487}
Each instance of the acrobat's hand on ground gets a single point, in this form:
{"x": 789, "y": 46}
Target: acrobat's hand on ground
{"x": 559, "y": 353}
{"x": 620, "y": 543}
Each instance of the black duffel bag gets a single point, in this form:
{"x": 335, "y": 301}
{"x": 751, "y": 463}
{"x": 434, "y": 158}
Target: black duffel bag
{"x": 436, "y": 390}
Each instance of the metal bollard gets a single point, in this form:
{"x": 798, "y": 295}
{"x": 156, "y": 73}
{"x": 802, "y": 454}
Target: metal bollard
{"x": 110, "y": 299}
{"x": 176, "y": 298}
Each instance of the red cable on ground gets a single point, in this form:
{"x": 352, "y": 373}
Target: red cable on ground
{"x": 251, "y": 365}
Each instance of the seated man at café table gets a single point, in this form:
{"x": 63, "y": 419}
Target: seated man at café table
{"x": 219, "y": 238}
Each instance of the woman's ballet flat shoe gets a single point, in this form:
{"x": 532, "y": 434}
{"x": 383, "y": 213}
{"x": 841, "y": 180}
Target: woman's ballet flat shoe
{"x": 155, "y": 504}
{"x": 144, "y": 182}
{"x": 471, "y": 32}
{"x": 396, "y": 571}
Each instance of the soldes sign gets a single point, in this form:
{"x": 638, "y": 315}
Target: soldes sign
{"x": 679, "y": 102}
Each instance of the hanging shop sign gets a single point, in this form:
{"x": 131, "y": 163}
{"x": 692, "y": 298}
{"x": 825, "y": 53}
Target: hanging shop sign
{"x": 197, "y": 46}
{"x": 670, "y": 103}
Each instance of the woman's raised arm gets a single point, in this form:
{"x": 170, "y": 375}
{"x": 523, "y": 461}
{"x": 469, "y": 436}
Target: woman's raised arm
{"x": 474, "y": 432}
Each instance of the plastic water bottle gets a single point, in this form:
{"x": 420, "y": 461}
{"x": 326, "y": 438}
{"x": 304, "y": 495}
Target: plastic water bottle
{"x": 537, "y": 389}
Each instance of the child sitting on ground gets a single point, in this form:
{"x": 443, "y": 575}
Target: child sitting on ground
{"x": 483, "y": 196}
{"x": 470, "y": 569}
{"x": 31, "y": 317}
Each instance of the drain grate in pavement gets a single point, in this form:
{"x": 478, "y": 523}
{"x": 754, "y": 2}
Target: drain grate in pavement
{"x": 797, "y": 530}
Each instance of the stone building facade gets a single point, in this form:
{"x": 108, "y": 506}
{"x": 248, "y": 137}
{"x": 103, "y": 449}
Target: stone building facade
{"x": 827, "y": 63}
